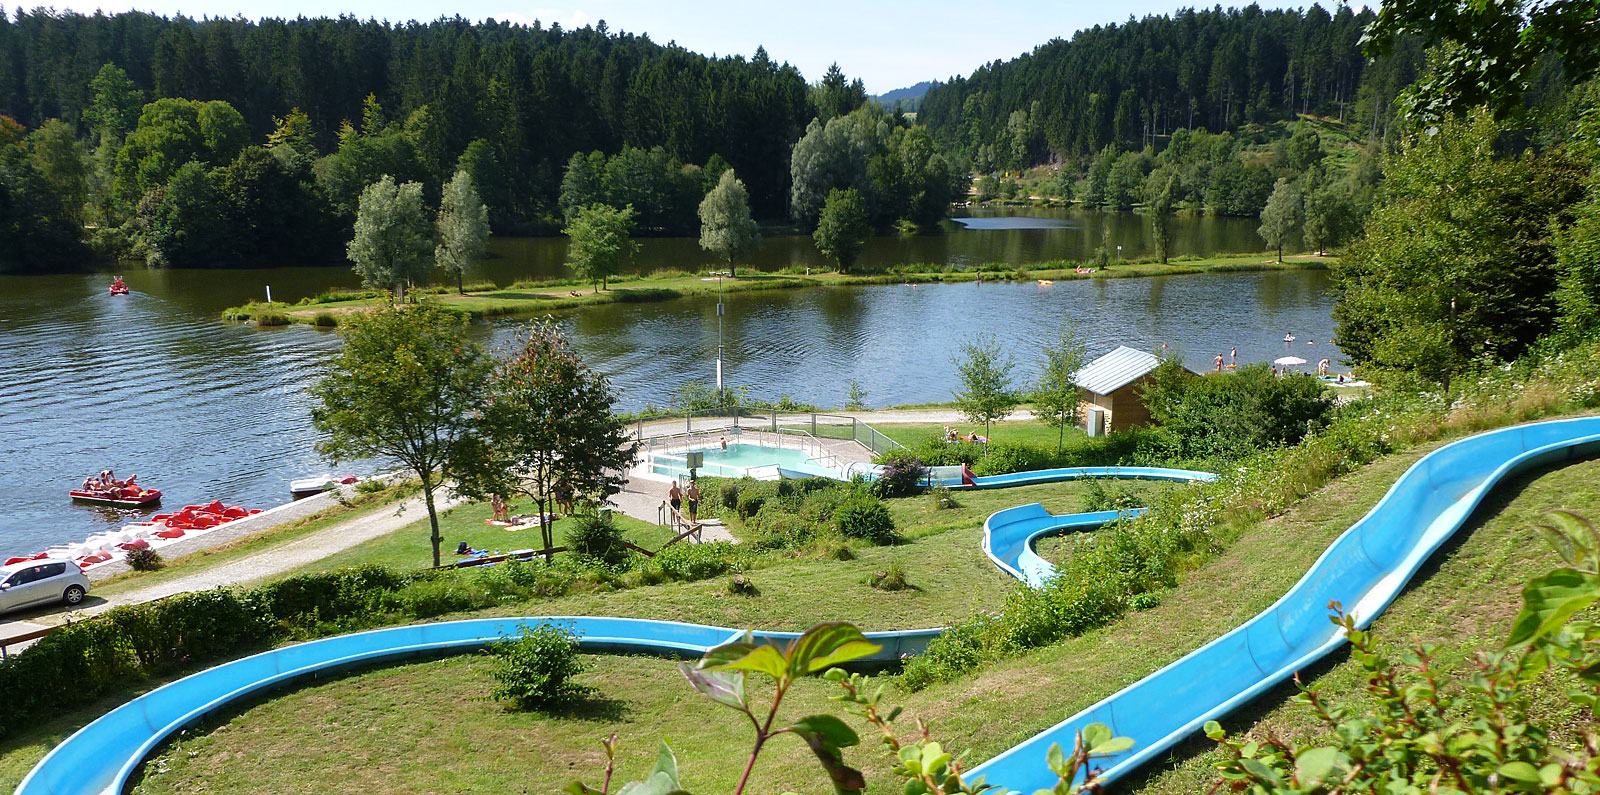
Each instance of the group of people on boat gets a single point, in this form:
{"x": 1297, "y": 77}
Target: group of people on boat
{"x": 106, "y": 483}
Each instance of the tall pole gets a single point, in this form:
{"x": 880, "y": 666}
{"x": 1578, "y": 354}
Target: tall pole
{"x": 719, "y": 336}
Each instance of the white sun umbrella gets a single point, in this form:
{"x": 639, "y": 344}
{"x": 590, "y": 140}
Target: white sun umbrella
{"x": 1287, "y": 361}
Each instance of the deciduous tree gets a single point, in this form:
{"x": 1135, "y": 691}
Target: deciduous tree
{"x": 393, "y": 243}
{"x": 548, "y": 420}
{"x": 1056, "y": 397}
{"x": 1281, "y": 216}
{"x": 842, "y": 231}
{"x": 726, "y": 228}
{"x": 463, "y": 227}
{"x": 600, "y": 242}
{"x": 407, "y": 386}
{"x": 986, "y": 392}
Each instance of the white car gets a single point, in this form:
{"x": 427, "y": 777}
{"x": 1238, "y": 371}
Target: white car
{"x": 35, "y": 582}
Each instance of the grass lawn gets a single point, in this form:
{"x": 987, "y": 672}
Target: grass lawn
{"x": 410, "y": 548}
{"x": 421, "y": 726}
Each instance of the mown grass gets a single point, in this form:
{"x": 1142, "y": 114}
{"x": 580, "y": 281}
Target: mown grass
{"x": 417, "y": 727}
{"x": 410, "y": 547}
{"x": 534, "y": 297}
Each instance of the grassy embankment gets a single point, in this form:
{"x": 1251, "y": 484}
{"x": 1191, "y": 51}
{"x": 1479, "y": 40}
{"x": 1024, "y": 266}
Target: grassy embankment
{"x": 533, "y": 297}
{"x": 416, "y": 726}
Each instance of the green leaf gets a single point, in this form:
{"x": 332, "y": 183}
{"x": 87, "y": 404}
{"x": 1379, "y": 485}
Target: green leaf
{"x": 1262, "y": 773}
{"x": 1549, "y": 600}
{"x": 1096, "y": 733}
{"x": 723, "y": 687}
{"x": 826, "y": 734}
{"x": 1314, "y": 764}
{"x": 580, "y": 788}
{"x": 829, "y": 727}
{"x": 1116, "y": 745}
{"x": 1056, "y": 760}
{"x": 1520, "y": 771}
{"x": 828, "y": 644}
{"x": 1215, "y": 731}
{"x": 762, "y": 659}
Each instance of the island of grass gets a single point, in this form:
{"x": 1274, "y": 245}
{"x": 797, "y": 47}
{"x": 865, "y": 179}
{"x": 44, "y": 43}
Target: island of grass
{"x": 525, "y": 298}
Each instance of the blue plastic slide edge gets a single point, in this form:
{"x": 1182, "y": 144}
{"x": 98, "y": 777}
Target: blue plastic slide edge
{"x": 1364, "y": 569}
{"x": 100, "y": 757}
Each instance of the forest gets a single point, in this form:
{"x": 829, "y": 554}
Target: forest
{"x": 1128, "y": 85}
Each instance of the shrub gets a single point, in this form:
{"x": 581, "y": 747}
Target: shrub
{"x": 901, "y": 475}
{"x": 143, "y": 559}
{"x": 777, "y": 528}
{"x": 891, "y": 579}
{"x": 740, "y": 585}
{"x": 268, "y": 318}
{"x": 535, "y": 669}
{"x": 943, "y": 498}
{"x": 1109, "y": 494}
{"x": 429, "y": 598}
{"x": 1006, "y": 457}
{"x": 685, "y": 562}
{"x": 371, "y": 486}
{"x": 325, "y": 320}
{"x": 594, "y": 537}
{"x": 955, "y": 652}
{"x": 865, "y": 516}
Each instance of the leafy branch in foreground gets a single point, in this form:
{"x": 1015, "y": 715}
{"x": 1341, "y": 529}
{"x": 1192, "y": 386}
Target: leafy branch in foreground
{"x": 1421, "y": 735}
{"x": 924, "y": 764}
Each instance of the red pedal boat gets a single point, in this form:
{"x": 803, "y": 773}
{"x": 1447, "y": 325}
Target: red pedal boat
{"x": 118, "y": 288}
{"x": 122, "y": 498}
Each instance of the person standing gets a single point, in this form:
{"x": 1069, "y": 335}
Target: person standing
{"x": 1218, "y": 362}
{"x": 693, "y": 500}
{"x": 675, "y": 496}
{"x": 1233, "y": 356}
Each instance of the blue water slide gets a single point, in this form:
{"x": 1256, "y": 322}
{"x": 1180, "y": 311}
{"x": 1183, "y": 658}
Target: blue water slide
{"x": 1008, "y": 535}
{"x": 1364, "y": 569}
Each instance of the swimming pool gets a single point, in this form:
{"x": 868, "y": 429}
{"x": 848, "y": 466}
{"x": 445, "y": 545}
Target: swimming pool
{"x": 739, "y": 459}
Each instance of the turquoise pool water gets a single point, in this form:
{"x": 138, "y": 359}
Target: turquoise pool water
{"x": 737, "y": 460}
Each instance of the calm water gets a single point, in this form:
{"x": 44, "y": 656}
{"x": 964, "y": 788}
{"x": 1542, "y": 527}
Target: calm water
{"x": 153, "y": 383}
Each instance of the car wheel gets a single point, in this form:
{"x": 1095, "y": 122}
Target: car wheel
{"x": 74, "y": 594}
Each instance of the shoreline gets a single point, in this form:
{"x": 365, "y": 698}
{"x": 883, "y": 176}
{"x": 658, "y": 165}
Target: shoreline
{"x": 524, "y": 298}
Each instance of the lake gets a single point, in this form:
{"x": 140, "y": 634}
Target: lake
{"x": 152, "y": 383}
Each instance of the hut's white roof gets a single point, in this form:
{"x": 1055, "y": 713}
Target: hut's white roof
{"x": 1115, "y": 370}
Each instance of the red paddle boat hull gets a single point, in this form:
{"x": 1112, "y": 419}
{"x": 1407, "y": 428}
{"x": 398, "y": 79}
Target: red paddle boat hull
{"x": 120, "y": 291}
{"x": 146, "y": 498}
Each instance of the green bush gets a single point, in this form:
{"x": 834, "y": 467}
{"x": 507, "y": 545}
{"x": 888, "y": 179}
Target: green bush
{"x": 685, "y": 562}
{"x": 890, "y": 579}
{"x": 594, "y": 537}
{"x": 535, "y": 669}
{"x": 325, "y": 320}
{"x": 143, "y": 559}
{"x": 1109, "y": 494}
{"x": 777, "y": 528}
{"x": 430, "y": 598}
{"x": 902, "y": 474}
{"x": 865, "y": 516}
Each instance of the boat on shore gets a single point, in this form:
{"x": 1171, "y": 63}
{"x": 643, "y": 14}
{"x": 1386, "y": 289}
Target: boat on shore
{"x": 120, "y": 498}
{"x": 307, "y": 487}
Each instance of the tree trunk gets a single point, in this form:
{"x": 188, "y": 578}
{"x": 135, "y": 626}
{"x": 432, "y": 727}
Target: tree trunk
{"x": 1280, "y": 253}
{"x": 461, "y": 276}
{"x": 546, "y": 529}
{"x": 433, "y": 517}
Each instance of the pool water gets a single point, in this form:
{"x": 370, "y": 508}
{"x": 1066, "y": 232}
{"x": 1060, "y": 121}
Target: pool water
{"x": 737, "y": 460}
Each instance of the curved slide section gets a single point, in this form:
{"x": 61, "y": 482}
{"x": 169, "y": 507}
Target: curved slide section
{"x": 1008, "y": 535}
{"x": 101, "y": 757}
{"x": 1364, "y": 569}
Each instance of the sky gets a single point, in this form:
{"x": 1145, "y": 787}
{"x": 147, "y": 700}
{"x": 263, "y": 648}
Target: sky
{"x": 889, "y": 44}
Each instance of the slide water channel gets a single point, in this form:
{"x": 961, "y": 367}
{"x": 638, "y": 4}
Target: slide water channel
{"x": 1364, "y": 569}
